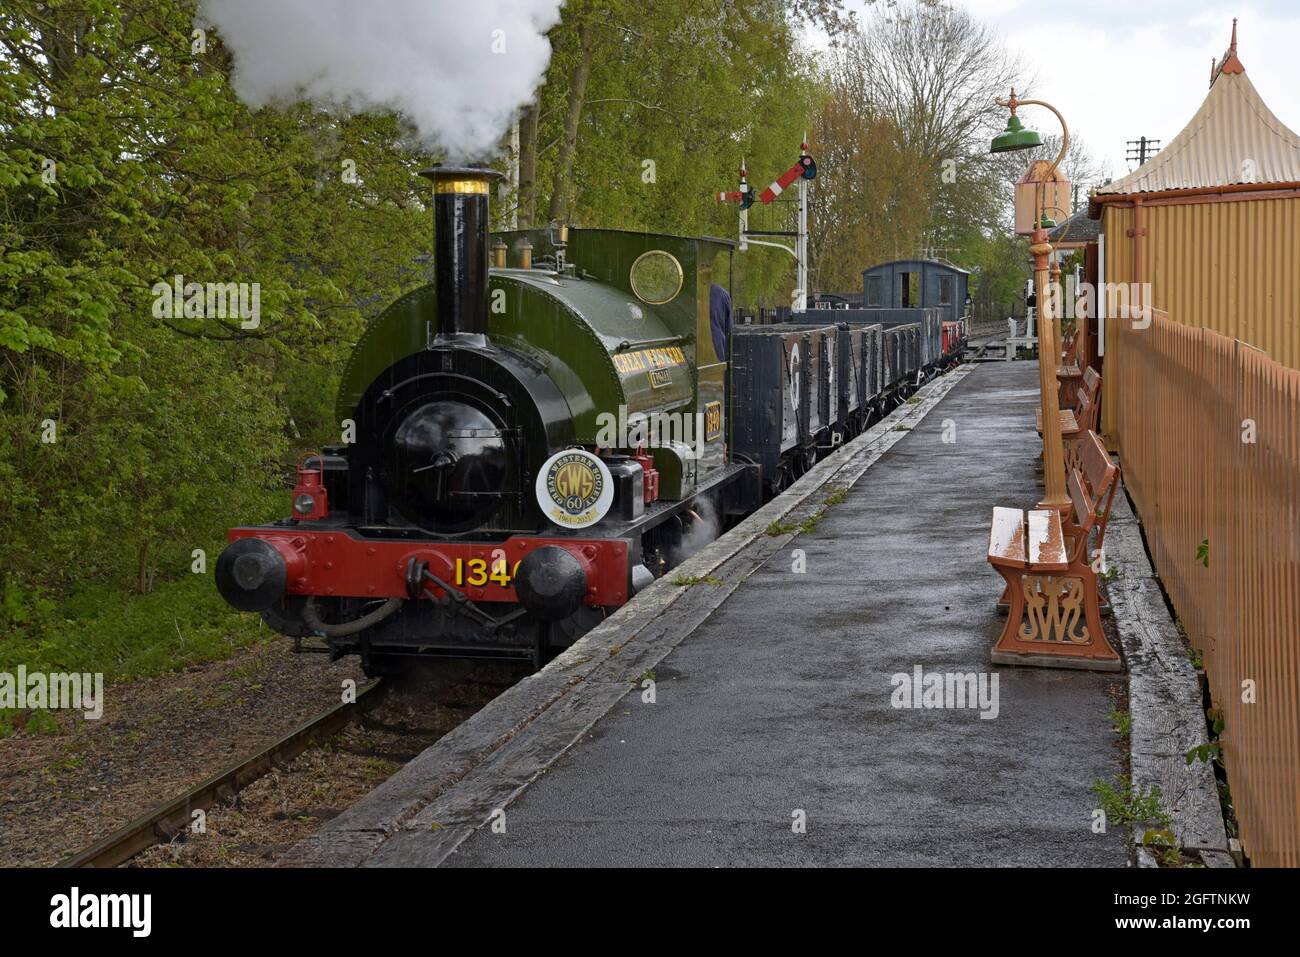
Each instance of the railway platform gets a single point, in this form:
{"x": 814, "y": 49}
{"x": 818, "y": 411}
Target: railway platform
{"x": 792, "y": 695}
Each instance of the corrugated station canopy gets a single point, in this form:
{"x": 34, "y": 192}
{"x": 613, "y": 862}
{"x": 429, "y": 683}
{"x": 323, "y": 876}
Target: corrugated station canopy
{"x": 1233, "y": 139}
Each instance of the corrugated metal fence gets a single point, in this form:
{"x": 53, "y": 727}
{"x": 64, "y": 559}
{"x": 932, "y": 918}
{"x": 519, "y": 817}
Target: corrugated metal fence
{"x": 1229, "y": 266}
{"x": 1209, "y": 438}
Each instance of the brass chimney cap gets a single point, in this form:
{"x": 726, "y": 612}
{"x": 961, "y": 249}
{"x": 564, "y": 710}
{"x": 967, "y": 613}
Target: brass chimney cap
{"x": 461, "y": 179}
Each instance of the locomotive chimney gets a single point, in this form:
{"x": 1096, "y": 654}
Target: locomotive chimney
{"x": 460, "y": 256}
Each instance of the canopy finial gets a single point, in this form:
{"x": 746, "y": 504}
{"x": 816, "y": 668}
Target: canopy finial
{"x": 1229, "y": 63}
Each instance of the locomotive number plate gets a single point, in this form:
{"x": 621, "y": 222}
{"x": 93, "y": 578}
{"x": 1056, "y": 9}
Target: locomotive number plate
{"x": 477, "y": 572}
{"x": 712, "y": 420}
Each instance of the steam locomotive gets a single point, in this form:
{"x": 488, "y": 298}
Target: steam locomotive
{"x": 541, "y": 432}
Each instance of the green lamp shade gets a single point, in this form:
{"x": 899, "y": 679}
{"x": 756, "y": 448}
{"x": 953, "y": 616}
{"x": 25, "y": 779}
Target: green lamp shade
{"x": 1015, "y": 137}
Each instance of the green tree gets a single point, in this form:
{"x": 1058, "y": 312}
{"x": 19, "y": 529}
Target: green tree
{"x": 648, "y": 109}
{"x": 128, "y": 161}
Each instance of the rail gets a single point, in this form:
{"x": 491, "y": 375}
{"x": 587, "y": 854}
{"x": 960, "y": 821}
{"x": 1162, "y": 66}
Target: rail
{"x": 169, "y": 819}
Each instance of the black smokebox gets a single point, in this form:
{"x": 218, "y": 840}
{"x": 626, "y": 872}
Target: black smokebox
{"x": 460, "y": 249}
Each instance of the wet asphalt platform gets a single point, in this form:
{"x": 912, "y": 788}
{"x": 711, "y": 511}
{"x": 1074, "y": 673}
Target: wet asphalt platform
{"x": 777, "y": 707}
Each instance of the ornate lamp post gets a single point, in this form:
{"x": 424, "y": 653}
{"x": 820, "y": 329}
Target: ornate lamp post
{"x": 1016, "y": 137}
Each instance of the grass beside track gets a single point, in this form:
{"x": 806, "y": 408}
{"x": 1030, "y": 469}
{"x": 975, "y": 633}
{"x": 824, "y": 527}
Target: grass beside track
{"x": 125, "y": 636}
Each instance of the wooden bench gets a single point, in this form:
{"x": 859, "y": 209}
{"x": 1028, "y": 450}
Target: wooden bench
{"x": 1088, "y": 390}
{"x": 1092, "y": 387}
{"x": 1068, "y": 374}
{"x": 1053, "y": 613}
{"x": 1067, "y": 417}
{"x": 1069, "y": 348}
{"x": 1081, "y": 417}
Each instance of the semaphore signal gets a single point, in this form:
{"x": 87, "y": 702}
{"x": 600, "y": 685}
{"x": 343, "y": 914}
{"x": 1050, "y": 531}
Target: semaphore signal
{"x": 803, "y": 171}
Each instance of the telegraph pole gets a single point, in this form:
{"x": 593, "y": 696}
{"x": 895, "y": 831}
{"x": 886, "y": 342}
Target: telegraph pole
{"x": 1141, "y": 149}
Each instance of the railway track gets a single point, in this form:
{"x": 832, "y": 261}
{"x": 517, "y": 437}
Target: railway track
{"x": 167, "y": 820}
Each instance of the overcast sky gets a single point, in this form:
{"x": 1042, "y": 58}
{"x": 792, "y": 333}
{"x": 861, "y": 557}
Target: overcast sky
{"x": 1120, "y": 69}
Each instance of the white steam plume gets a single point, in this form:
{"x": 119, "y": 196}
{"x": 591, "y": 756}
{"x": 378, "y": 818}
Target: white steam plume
{"x": 457, "y": 69}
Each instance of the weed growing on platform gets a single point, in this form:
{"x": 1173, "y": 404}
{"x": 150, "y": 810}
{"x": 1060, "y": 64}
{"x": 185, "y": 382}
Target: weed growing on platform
{"x": 1162, "y": 843}
{"x": 809, "y": 524}
{"x": 1123, "y": 805}
{"x": 1121, "y": 722}
{"x": 1213, "y": 751}
{"x": 713, "y": 580}
{"x": 812, "y": 521}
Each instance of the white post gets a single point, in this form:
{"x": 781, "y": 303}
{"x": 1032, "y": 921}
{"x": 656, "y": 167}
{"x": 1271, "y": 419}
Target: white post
{"x": 801, "y": 247}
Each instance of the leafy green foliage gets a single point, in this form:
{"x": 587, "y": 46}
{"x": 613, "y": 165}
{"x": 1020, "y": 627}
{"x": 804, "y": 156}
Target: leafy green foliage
{"x": 1121, "y": 722}
{"x": 1125, "y": 805}
{"x": 1213, "y": 750}
{"x": 1163, "y": 843}
{"x": 687, "y": 581}
{"x": 904, "y": 134}
{"x": 129, "y": 439}
{"x": 101, "y": 627}
{"x": 678, "y": 93}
